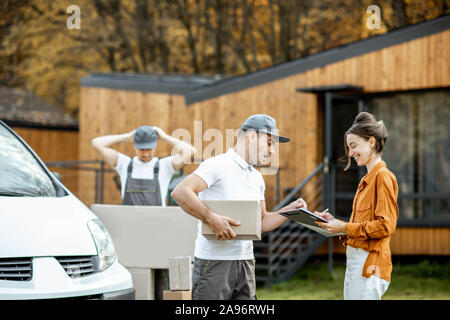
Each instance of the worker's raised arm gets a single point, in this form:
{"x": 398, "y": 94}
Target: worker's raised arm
{"x": 182, "y": 151}
{"x": 102, "y": 146}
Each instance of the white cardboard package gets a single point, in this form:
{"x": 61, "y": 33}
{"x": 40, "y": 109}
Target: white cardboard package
{"x": 247, "y": 212}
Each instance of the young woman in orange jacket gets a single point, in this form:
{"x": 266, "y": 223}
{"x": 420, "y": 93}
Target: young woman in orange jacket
{"x": 374, "y": 213}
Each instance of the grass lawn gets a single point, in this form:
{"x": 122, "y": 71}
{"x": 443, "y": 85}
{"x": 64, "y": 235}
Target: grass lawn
{"x": 421, "y": 281}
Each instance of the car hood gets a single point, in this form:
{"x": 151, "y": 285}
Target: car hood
{"x": 44, "y": 226}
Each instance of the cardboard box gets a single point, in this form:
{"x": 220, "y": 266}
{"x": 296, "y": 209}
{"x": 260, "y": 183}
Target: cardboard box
{"x": 177, "y": 295}
{"x": 180, "y": 273}
{"x": 247, "y": 212}
{"x": 147, "y": 236}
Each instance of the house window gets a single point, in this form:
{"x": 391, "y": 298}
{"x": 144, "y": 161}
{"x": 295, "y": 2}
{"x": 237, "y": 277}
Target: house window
{"x": 417, "y": 150}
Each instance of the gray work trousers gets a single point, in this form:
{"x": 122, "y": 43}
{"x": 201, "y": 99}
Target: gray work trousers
{"x": 223, "y": 280}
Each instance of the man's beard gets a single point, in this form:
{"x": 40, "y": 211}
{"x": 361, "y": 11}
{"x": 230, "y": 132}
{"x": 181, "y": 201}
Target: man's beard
{"x": 265, "y": 162}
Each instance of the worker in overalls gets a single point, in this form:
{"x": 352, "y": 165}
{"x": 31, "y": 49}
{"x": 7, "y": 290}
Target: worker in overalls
{"x": 145, "y": 178}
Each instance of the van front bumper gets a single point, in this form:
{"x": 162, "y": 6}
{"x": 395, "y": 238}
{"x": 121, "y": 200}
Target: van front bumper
{"x": 50, "y": 281}
{"x": 128, "y": 294}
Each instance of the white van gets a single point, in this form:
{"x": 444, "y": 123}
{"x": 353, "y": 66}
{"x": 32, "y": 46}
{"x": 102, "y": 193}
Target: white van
{"x": 51, "y": 245}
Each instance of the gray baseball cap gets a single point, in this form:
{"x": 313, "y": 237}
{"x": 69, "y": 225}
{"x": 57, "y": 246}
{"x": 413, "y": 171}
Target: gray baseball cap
{"x": 263, "y": 123}
{"x": 145, "y": 137}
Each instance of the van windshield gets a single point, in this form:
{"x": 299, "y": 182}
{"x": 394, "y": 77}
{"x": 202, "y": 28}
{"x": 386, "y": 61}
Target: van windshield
{"x": 20, "y": 173}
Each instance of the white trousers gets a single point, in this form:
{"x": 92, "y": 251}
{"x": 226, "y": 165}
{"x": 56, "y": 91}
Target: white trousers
{"x": 357, "y": 287}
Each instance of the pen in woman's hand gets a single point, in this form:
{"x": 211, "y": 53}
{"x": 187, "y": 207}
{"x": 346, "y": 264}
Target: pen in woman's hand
{"x": 325, "y": 214}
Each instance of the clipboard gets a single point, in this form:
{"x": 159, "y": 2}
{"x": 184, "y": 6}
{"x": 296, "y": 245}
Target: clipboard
{"x": 308, "y": 219}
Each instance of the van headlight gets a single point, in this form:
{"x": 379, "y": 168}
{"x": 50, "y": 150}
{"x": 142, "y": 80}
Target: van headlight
{"x": 103, "y": 242}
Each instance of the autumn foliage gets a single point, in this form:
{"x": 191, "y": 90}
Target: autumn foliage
{"x": 39, "y": 52}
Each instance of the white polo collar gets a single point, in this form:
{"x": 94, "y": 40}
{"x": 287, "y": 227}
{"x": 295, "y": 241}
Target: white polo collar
{"x": 238, "y": 159}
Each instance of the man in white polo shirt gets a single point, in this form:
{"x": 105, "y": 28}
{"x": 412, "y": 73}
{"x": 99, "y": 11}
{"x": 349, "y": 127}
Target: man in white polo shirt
{"x": 225, "y": 268}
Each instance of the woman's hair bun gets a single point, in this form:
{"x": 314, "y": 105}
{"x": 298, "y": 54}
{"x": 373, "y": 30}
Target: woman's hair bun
{"x": 364, "y": 117}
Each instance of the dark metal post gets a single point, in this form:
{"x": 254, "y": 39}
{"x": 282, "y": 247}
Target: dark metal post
{"x": 327, "y": 148}
{"x": 332, "y": 208}
{"x": 269, "y": 261}
{"x": 328, "y": 170}
{"x": 96, "y": 187}
{"x": 330, "y": 255}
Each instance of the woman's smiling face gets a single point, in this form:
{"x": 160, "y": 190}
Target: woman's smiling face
{"x": 359, "y": 148}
